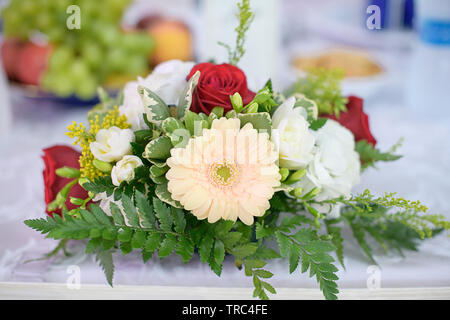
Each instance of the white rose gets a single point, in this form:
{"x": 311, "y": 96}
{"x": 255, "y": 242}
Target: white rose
{"x": 294, "y": 139}
{"x": 167, "y": 80}
{"x": 112, "y": 144}
{"x": 335, "y": 168}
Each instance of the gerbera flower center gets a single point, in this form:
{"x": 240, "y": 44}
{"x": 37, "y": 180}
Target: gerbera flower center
{"x": 223, "y": 174}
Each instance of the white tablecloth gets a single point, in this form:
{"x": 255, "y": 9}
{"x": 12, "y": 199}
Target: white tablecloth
{"x": 422, "y": 174}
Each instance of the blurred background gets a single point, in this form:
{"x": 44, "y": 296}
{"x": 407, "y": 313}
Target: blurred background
{"x": 395, "y": 54}
{"x": 63, "y": 50}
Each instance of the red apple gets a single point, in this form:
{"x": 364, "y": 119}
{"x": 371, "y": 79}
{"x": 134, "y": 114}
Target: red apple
{"x": 32, "y": 63}
{"x": 10, "y": 49}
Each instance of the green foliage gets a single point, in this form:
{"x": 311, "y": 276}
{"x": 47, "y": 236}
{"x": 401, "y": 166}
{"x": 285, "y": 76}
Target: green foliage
{"x": 306, "y": 247}
{"x": 148, "y": 223}
{"x": 245, "y": 17}
{"x": 322, "y": 86}
{"x": 369, "y": 154}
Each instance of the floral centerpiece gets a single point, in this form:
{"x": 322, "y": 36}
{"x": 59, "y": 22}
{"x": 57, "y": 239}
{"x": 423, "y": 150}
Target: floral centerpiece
{"x": 190, "y": 161}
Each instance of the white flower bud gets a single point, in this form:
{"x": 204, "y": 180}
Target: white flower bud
{"x": 124, "y": 169}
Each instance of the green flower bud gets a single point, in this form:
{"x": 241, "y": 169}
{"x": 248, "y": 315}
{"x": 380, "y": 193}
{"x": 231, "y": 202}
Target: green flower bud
{"x": 251, "y": 108}
{"x": 218, "y": 111}
{"x": 76, "y": 201}
{"x": 62, "y": 195}
{"x": 236, "y": 101}
{"x": 52, "y": 206}
{"x": 103, "y": 166}
{"x": 284, "y": 172}
{"x": 317, "y": 223}
{"x": 82, "y": 181}
{"x": 262, "y": 96}
{"x": 296, "y": 176}
{"x": 311, "y": 194}
{"x": 66, "y": 172}
{"x": 297, "y": 192}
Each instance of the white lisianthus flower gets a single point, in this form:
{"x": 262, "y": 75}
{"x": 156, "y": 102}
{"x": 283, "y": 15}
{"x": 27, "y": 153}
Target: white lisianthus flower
{"x": 124, "y": 169}
{"x": 112, "y": 144}
{"x": 294, "y": 139}
{"x": 167, "y": 80}
{"x": 335, "y": 168}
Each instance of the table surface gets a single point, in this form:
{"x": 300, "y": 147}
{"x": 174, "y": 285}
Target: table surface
{"x": 422, "y": 174}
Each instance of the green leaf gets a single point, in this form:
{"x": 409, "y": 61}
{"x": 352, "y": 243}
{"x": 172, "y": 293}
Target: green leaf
{"x": 138, "y": 239}
{"x": 158, "y": 149}
{"x": 158, "y": 171}
{"x": 167, "y": 246}
{"x": 153, "y": 242}
{"x": 219, "y": 252}
{"x": 317, "y": 124}
{"x": 260, "y": 121}
{"x": 309, "y": 105}
{"x": 195, "y": 123}
{"x": 42, "y": 225}
{"x": 294, "y": 258}
{"x": 185, "y": 100}
{"x": 163, "y": 214}
{"x": 105, "y": 260}
{"x": 205, "y": 247}
{"x": 318, "y": 246}
{"x": 116, "y": 214}
{"x": 125, "y": 235}
{"x": 244, "y": 250}
{"x": 164, "y": 195}
{"x": 284, "y": 243}
{"x": 337, "y": 240}
{"x": 130, "y": 211}
{"x": 109, "y": 234}
{"x": 156, "y": 109}
{"x": 126, "y": 247}
{"x": 369, "y": 155}
{"x": 268, "y": 287}
{"x": 263, "y": 273}
{"x": 179, "y": 221}
{"x": 93, "y": 244}
{"x": 358, "y": 233}
{"x": 100, "y": 215}
{"x": 231, "y": 238}
{"x": 185, "y": 249}
{"x": 171, "y": 124}
{"x": 266, "y": 253}
{"x": 254, "y": 264}
{"x": 145, "y": 210}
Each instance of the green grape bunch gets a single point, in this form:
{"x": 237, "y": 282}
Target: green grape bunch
{"x": 81, "y": 58}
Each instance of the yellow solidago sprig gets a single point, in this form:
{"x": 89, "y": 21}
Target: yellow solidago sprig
{"x": 84, "y": 137}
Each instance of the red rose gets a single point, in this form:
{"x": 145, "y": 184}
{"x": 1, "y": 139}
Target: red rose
{"x": 217, "y": 82}
{"x": 355, "y": 120}
{"x": 56, "y": 157}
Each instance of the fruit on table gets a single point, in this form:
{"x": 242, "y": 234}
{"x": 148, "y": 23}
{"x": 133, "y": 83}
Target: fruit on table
{"x": 10, "y": 49}
{"x": 32, "y": 60}
{"x": 173, "y": 39}
{"x": 80, "y": 59}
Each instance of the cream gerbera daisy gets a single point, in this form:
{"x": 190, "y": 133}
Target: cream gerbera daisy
{"x": 226, "y": 173}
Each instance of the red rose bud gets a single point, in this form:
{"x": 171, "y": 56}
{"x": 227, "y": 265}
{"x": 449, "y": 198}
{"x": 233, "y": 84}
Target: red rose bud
{"x": 355, "y": 120}
{"x": 54, "y": 158}
{"x": 216, "y": 84}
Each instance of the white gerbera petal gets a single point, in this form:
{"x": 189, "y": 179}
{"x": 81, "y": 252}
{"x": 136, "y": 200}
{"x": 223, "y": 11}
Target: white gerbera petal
{"x": 207, "y": 178}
